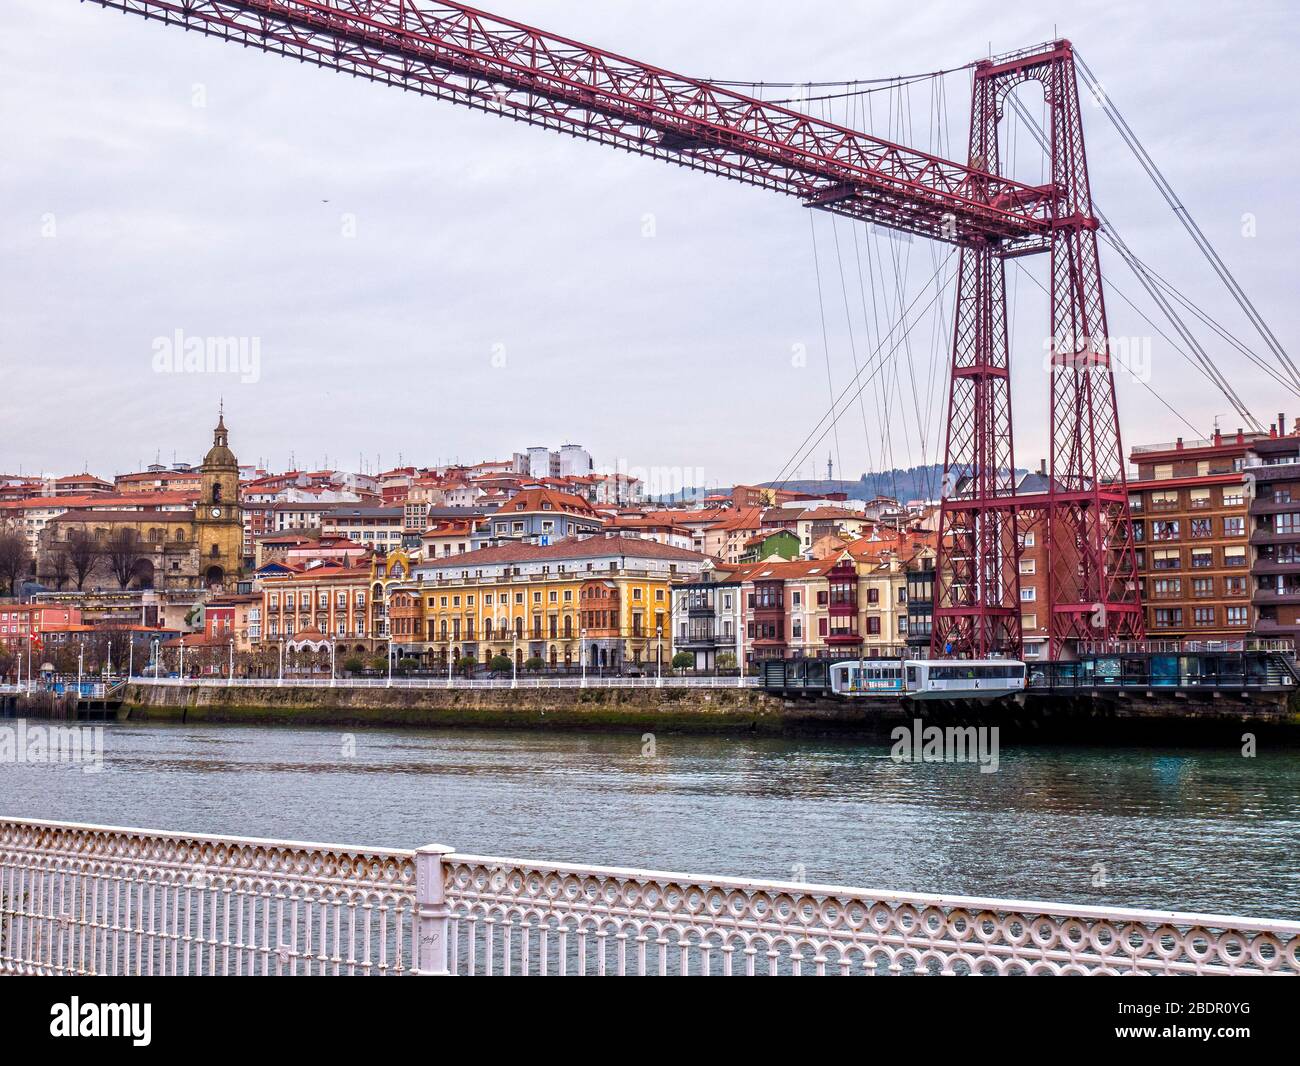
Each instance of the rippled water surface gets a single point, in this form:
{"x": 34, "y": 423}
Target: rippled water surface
{"x": 1185, "y": 829}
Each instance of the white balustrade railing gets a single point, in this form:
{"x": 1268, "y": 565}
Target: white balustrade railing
{"x": 84, "y": 899}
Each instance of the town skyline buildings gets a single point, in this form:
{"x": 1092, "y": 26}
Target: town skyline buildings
{"x": 330, "y": 245}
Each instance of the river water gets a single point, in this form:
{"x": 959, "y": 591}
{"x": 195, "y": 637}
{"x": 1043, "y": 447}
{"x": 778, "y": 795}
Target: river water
{"x": 1187, "y": 829}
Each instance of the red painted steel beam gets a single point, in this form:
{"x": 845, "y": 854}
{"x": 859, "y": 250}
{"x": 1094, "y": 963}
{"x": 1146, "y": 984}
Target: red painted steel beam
{"x": 476, "y": 59}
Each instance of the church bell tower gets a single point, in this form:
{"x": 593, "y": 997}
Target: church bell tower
{"x": 218, "y": 521}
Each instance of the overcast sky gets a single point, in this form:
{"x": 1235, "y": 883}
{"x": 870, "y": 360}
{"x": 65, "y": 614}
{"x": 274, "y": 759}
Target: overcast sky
{"x": 429, "y": 282}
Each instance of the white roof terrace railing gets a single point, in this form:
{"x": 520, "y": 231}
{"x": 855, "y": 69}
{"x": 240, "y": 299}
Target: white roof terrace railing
{"x": 89, "y": 899}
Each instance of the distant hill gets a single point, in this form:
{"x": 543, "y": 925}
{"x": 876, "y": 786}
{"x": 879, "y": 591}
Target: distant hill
{"x": 912, "y": 483}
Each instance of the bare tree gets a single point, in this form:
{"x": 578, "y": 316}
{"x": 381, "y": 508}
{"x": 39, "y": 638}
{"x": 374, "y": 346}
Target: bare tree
{"x": 83, "y": 552}
{"x": 123, "y": 549}
{"x": 15, "y": 559}
{"x": 60, "y": 568}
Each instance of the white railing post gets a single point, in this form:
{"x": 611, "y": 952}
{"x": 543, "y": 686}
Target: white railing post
{"x": 432, "y": 915}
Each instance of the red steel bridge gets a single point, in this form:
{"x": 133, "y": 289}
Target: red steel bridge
{"x": 479, "y": 60}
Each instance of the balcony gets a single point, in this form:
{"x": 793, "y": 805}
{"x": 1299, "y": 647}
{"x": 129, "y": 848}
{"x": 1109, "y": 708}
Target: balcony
{"x": 1269, "y": 627}
{"x": 1276, "y": 566}
{"x": 1267, "y": 596}
{"x": 1263, "y": 472}
{"x": 1262, "y": 505}
{"x": 700, "y": 640}
{"x": 1268, "y": 536}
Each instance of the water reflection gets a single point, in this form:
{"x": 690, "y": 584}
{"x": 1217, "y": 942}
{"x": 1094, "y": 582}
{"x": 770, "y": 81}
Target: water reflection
{"x": 1195, "y": 829}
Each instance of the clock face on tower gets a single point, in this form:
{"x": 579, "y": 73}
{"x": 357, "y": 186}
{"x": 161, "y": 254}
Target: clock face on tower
{"x": 216, "y": 512}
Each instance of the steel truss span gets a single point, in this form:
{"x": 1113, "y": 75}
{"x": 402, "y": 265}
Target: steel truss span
{"x": 479, "y": 60}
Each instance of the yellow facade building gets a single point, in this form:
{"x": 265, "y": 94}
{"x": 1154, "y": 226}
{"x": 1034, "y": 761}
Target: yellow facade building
{"x": 603, "y": 600}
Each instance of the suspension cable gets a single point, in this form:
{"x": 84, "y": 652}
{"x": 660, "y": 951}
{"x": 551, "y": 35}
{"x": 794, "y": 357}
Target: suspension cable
{"x": 1184, "y": 216}
{"x": 1208, "y": 366}
{"x": 850, "y": 392}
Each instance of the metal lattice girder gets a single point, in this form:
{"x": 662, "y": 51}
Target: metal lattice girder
{"x": 977, "y": 580}
{"x": 480, "y": 60}
{"x": 1092, "y": 582}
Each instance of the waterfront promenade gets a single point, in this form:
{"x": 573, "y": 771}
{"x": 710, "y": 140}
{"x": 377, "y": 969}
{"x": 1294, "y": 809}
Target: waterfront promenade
{"x": 88, "y": 899}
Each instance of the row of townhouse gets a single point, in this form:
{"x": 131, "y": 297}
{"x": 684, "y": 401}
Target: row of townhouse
{"x": 869, "y": 598}
{"x": 323, "y": 601}
{"x": 602, "y": 602}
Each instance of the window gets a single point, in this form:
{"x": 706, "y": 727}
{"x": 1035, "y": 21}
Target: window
{"x": 1167, "y": 587}
{"x": 1199, "y": 498}
{"x": 1166, "y": 559}
{"x": 1234, "y": 526}
{"x": 1168, "y": 616}
{"x": 1234, "y": 586}
{"x": 1234, "y": 556}
{"x": 1203, "y": 616}
{"x": 1029, "y": 594}
{"x": 1234, "y": 496}
{"x": 1167, "y": 530}
{"x": 1236, "y": 616}
{"x": 1201, "y": 527}
{"x": 1202, "y": 558}
{"x": 1203, "y": 586}
{"x": 1028, "y": 566}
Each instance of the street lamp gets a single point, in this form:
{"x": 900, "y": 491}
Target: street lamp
{"x": 740, "y": 643}
{"x": 390, "y": 662}
{"x": 232, "y": 660}
{"x": 514, "y": 660}
{"x": 280, "y": 641}
{"x": 659, "y": 635}
{"x": 81, "y": 648}
{"x": 333, "y": 644}
{"x": 582, "y": 653}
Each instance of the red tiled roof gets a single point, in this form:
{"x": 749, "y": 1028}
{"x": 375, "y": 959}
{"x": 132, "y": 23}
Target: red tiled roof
{"x": 566, "y": 549}
{"x": 823, "y": 514}
{"x": 98, "y": 515}
{"x": 531, "y": 500}
{"x": 741, "y": 518}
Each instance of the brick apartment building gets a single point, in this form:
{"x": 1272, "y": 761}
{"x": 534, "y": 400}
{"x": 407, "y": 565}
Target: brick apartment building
{"x": 1272, "y": 475}
{"x": 1190, "y": 511}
